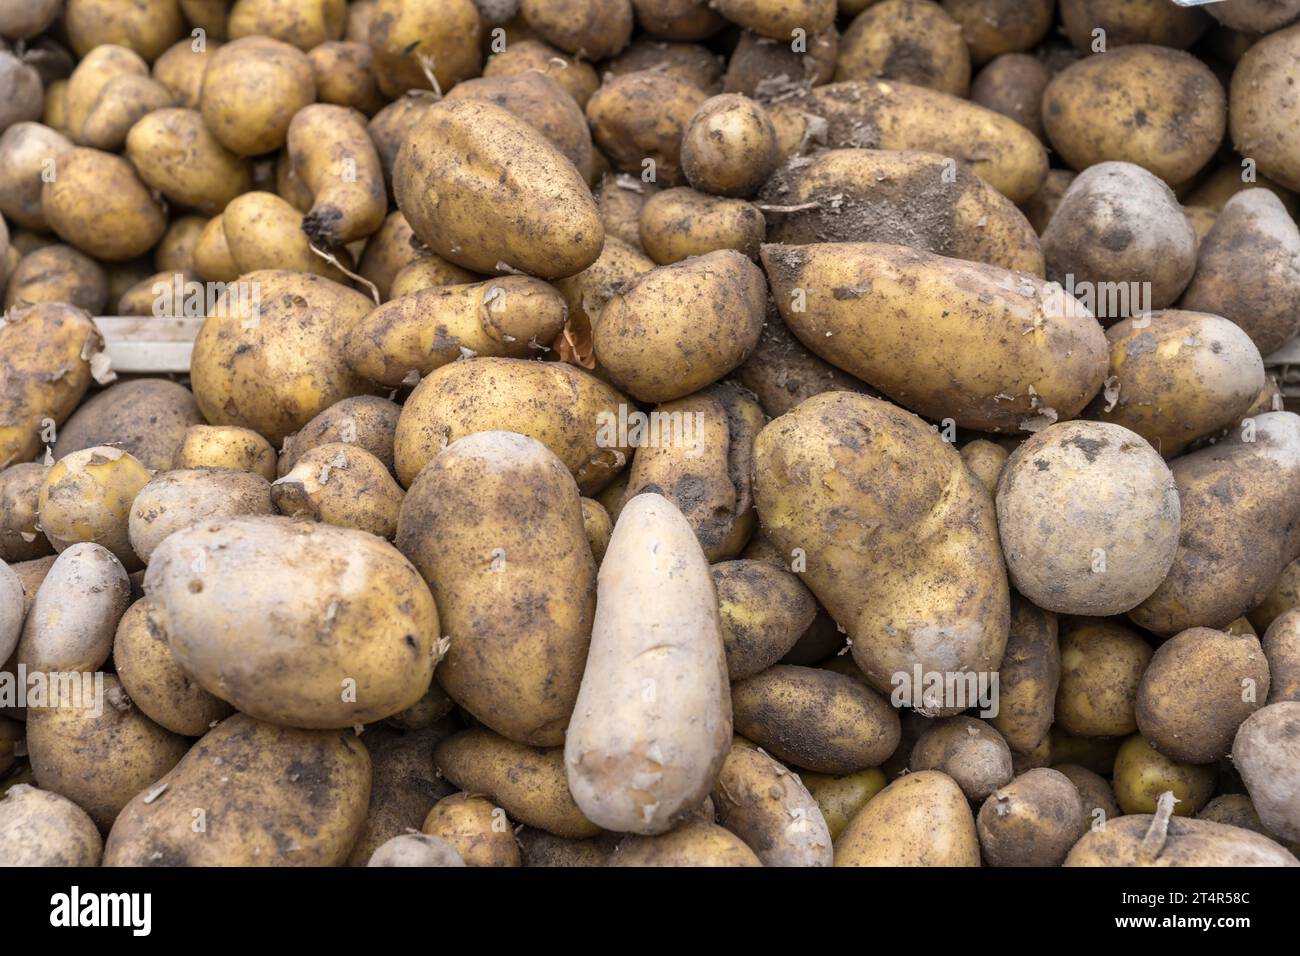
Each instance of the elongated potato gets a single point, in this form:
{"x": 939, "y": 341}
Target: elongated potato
{"x": 98, "y": 204}
{"x": 921, "y": 819}
{"x": 1281, "y": 645}
{"x": 679, "y": 223}
{"x": 694, "y": 843}
{"x": 333, "y": 156}
{"x": 20, "y": 507}
{"x": 768, "y": 807}
{"x": 652, "y": 723}
{"x": 1147, "y": 840}
{"x": 1028, "y": 678}
{"x": 40, "y": 828}
{"x": 1266, "y": 751}
{"x": 1262, "y": 117}
{"x": 72, "y": 620}
{"x": 172, "y": 500}
{"x": 269, "y": 796}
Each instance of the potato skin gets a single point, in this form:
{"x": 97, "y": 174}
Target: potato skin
{"x": 69, "y": 626}
{"x": 1127, "y": 22}
{"x": 98, "y": 204}
{"x": 20, "y": 491}
{"x": 1281, "y": 645}
{"x": 366, "y": 421}
{"x": 513, "y": 576}
{"x": 174, "y": 153}
{"x": 1266, "y": 752}
{"x": 262, "y": 231}
{"x": 252, "y": 88}
{"x": 1099, "y": 804}
{"x": 756, "y": 63}
{"x": 729, "y": 146}
{"x": 1142, "y": 774}
{"x": 174, "y": 499}
{"x": 641, "y": 117}
{"x": 968, "y": 750}
{"x": 415, "y": 849}
{"x": 40, "y": 828}
{"x": 1263, "y": 118}
{"x": 781, "y": 372}
{"x": 1101, "y": 667}
{"x": 87, "y": 496}
{"x": 446, "y": 33}
{"x": 679, "y": 223}
{"x": 914, "y": 41}
{"x": 225, "y": 446}
{"x": 322, "y": 139}
{"x": 596, "y": 31}
{"x": 764, "y": 609}
{"x": 341, "y": 485}
{"x": 25, "y": 150}
{"x": 539, "y": 848}
{"x": 145, "y": 417}
{"x": 815, "y": 719}
{"x": 577, "y": 77}
{"x": 768, "y": 807}
{"x": 995, "y": 27}
{"x": 1032, "y": 821}
{"x": 1029, "y": 677}
{"x": 694, "y": 843}
{"x": 480, "y": 832}
{"x": 921, "y": 819}
{"x": 777, "y": 20}
{"x": 282, "y": 797}
{"x": 1198, "y": 843}
{"x": 358, "y": 646}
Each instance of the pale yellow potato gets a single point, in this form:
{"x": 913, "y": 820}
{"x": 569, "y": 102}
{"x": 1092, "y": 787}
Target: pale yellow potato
{"x": 1263, "y": 118}
{"x": 175, "y": 154}
{"x": 263, "y": 231}
{"x": 226, "y": 446}
{"x": 638, "y": 120}
{"x": 679, "y": 223}
{"x": 146, "y": 26}
{"x": 173, "y": 500}
{"x": 181, "y": 70}
{"x": 729, "y": 146}
{"x": 1142, "y": 774}
{"x": 481, "y": 833}
{"x": 334, "y": 157}
{"x": 693, "y": 843}
{"x": 87, "y": 497}
{"x": 40, "y": 828}
{"x": 344, "y": 76}
{"x": 212, "y": 258}
{"x": 1101, "y": 667}
{"x": 304, "y": 23}
{"x": 251, "y": 91}
{"x": 985, "y": 459}
{"x": 340, "y": 484}
{"x": 98, "y": 203}
{"x": 577, "y": 77}
{"x": 414, "y": 38}
{"x": 586, "y": 293}
{"x": 778, "y": 19}
{"x": 913, "y": 41}
{"x": 922, "y": 819}
{"x": 74, "y": 612}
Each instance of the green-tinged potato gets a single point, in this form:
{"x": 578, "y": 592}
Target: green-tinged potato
{"x": 87, "y": 496}
{"x": 764, "y": 610}
{"x": 91, "y": 746}
{"x": 1146, "y": 840}
{"x": 908, "y": 198}
{"x": 768, "y": 807}
{"x": 336, "y": 161}
{"x": 921, "y": 514}
{"x": 146, "y": 26}
{"x": 539, "y": 848}
{"x": 75, "y": 612}
{"x": 985, "y": 459}
{"x": 513, "y": 576}
{"x": 146, "y": 417}
{"x": 841, "y": 797}
{"x": 251, "y": 90}
{"x": 638, "y": 121}
{"x": 586, "y": 293}
{"x": 1248, "y": 270}
{"x": 1263, "y": 114}
{"x": 1237, "y": 497}
{"x": 481, "y": 833}
{"x": 155, "y": 682}
{"x": 1028, "y": 678}
{"x": 598, "y": 526}
{"x": 1266, "y": 752}
{"x": 181, "y": 70}
{"x": 1099, "y": 804}
{"x": 922, "y": 819}
{"x": 728, "y": 147}
{"x": 527, "y": 782}
{"x": 577, "y": 77}
{"x": 225, "y": 446}
{"x": 914, "y": 41}
{"x": 173, "y": 500}
{"x": 98, "y": 204}
{"x": 1077, "y": 539}
{"x": 693, "y": 843}
{"x": 343, "y": 485}
{"x": 271, "y": 358}
{"x": 415, "y": 849}
{"x": 1178, "y": 376}
{"x": 1199, "y": 687}
{"x": 815, "y": 719}
{"x": 212, "y": 258}
{"x": 387, "y": 252}
{"x": 679, "y": 223}
{"x": 969, "y": 751}
{"x": 304, "y": 23}
{"x": 263, "y": 231}
{"x": 270, "y": 796}
{"x": 1161, "y": 109}
{"x": 367, "y": 421}
{"x": 760, "y": 67}
{"x": 175, "y": 154}
{"x": 1281, "y": 644}
{"x": 995, "y": 27}
{"x": 20, "y": 507}
{"x": 485, "y": 190}
{"x": 416, "y": 41}
{"x": 1142, "y": 774}
{"x": 27, "y": 150}
{"x": 344, "y": 76}
{"x": 859, "y": 305}
{"x": 690, "y": 61}
{"x": 1101, "y": 667}
{"x": 782, "y": 373}
{"x": 40, "y": 828}
{"x": 594, "y": 30}
{"x": 1032, "y": 821}
{"x": 652, "y": 723}
{"x": 1118, "y": 225}
{"x": 1125, "y": 22}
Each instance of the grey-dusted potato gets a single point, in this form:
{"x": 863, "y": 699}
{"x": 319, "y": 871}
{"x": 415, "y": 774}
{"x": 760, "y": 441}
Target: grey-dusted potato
{"x": 1032, "y": 821}
{"x": 638, "y": 121}
{"x": 1077, "y": 539}
{"x": 1263, "y": 116}
{"x": 1266, "y": 752}
{"x": 416, "y": 849}
{"x": 483, "y": 189}
{"x": 344, "y": 76}
{"x": 1161, "y": 109}
{"x": 1125, "y": 22}
{"x": 75, "y": 612}
{"x": 1099, "y": 804}
{"x": 1199, "y": 687}
{"x": 413, "y": 38}
{"x": 781, "y": 372}
{"x": 652, "y": 723}
{"x": 12, "y": 610}
{"x": 679, "y": 223}
{"x": 728, "y": 147}
{"x": 480, "y": 832}
{"x": 58, "y": 274}
{"x": 815, "y": 719}
{"x": 539, "y": 848}
{"x": 513, "y": 577}
{"x": 27, "y": 150}
{"x": 366, "y": 421}
{"x": 529, "y": 783}
{"x": 1235, "y": 810}
{"x": 271, "y": 796}
{"x": 969, "y": 751}
{"x": 358, "y": 645}
{"x": 1248, "y": 269}
{"x": 145, "y": 417}
{"x": 155, "y": 682}
{"x": 173, "y": 500}
{"x": 1146, "y": 840}
{"x": 93, "y": 747}
{"x": 20, "y": 91}
{"x": 914, "y": 41}
{"x": 768, "y": 807}
{"x": 690, "y": 61}
{"x": 1281, "y": 645}
{"x": 594, "y": 30}
{"x": 175, "y": 154}
{"x": 693, "y": 843}
{"x": 98, "y": 204}
{"x": 761, "y": 66}
{"x": 1142, "y": 774}
{"x": 561, "y": 406}
{"x": 40, "y": 828}
{"x": 906, "y": 197}
{"x": 25, "y": 19}
{"x": 764, "y": 611}
{"x": 921, "y": 819}
{"x": 251, "y": 90}
{"x": 21, "y": 538}
{"x": 87, "y": 496}
{"x": 1118, "y": 223}
{"x": 1236, "y": 497}
{"x": 342, "y": 485}
{"x": 1178, "y": 376}
{"x": 1028, "y": 678}
{"x": 225, "y": 446}
{"x": 1101, "y": 667}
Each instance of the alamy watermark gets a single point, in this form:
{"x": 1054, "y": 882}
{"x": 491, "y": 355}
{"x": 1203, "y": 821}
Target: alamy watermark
{"x": 637, "y": 429}
{"x": 930, "y": 691}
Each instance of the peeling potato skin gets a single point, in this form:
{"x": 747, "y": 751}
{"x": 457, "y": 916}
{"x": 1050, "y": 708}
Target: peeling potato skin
{"x": 1195, "y": 843}
{"x": 367, "y": 421}
{"x": 921, "y": 819}
{"x": 146, "y": 418}
{"x": 769, "y": 808}
{"x": 322, "y": 140}
{"x": 447, "y": 32}
{"x": 1162, "y": 109}
{"x": 280, "y": 652}
{"x": 782, "y": 373}
{"x": 909, "y": 41}
{"x": 695, "y": 843}
{"x": 20, "y": 536}
{"x": 513, "y": 576}
{"x": 1281, "y": 644}
{"x": 679, "y": 223}
{"x": 968, "y": 750}
{"x": 529, "y": 783}
{"x": 480, "y": 832}
{"x": 1263, "y": 116}
{"x": 905, "y": 197}
{"x": 173, "y": 500}
{"x": 594, "y": 30}
{"x": 1142, "y": 774}
{"x": 644, "y": 115}
{"x": 1180, "y": 377}
{"x": 995, "y": 27}
{"x": 863, "y": 304}
{"x": 765, "y": 611}
{"x": 1028, "y": 678}
{"x": 1032, "y": 821}
{"x": 273, "y": 796}
{"x": 758, "y": 63}
{"x": 39, "y": 828}
{"x": 881, "y": 554}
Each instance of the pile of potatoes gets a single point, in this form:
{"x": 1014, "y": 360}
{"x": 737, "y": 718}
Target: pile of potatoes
{"x": 636, "y": 432}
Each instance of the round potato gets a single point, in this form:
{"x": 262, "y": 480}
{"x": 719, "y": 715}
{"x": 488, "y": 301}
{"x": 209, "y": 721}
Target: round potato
{"x": 481, "y": 833}
{"x": 175, "y": 154}
{"x": 996, "y": 27}
{"x": 1263, "y": 117}
{"x": 173, "y": 500}
{"x": 423, "y": 44}
{"x": 638, "y": 121}
{"x": 1099, "y": 804}
{"x": 728, "y": 147}
{"x": 915, "y": 41}
{"x": 1101, "y": 668}
{"x": 342, "y": 485}
{"x": 145, "y": 417}
{"x": 40, "y": 828}
{"x": 366, "y": 421}
{"x": 921, "y": 819}
{"x": 768, "y": 807}
{"x": 58, "y": 274}
{"x": 225, "y": 446}
{"x": 251, "y": 90}
{"x": 1032, "y": 821}
{"x": 969, "y": 751}
{"x": 1142, "y": 774}
{"x": 87, "y": 496}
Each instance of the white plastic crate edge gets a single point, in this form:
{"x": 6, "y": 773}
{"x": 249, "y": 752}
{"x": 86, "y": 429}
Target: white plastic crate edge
{"x": 146, "y": 344}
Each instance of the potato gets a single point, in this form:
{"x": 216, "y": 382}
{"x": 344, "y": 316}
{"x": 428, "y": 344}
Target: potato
{"x": 87, "y": 496}
{"x": 620, "y": 200}
{"x": 1142, "y": 774}
{"x": 75, "y": 612}
{"x": 223, "y": 446}
{"x": 464, "y": 517}
{"x": 921, "y": 819}
{"x": 1231, "y": 548}
{"x": 175, "y": 251}
{"x": 146, "y": 417}
{"x": 426, "y": 712}
{"x": 559, "y": 405}
{"x": 98, "y": 204}
{"x": 367, "y": 421}
{"x": 1262, "y": 117}
{"x": 415, "y": 40}
{"x": 146, "y": 26}
{"x": 40, "y": 828}
{"x": 303, "y": 23}
{"x": 263, "y": 231}
{"x": 539, "y": 848}
{"x": 181, "y": 71}
{"x": 390, "y": 127}
{"x": 985, "y": 459}
{"x": 1028, "y": 678}
{"x": 575, "y": 76}
{"x": 678, "y": 19}
{"x": 388, "y": 251}
{"x": 639, "y": 119}
{"x": 969, "y": 751}
{"x": 782, "y": 373}
{"x": 1256, "y": 16}
{"x": 1265, "y": 754}
{"x": 595, "y": 30}
{"x": 1248, "y": 269}
{"x": 693, "y": 62}
{"x": 342, "y": 485}
{"x": 344, "y": 77}
{"x": 363, "y": 641}
{"x": 101, "y": 115}
{"x": 908, "y": 198}
{"x": 54, "y": 113}
{"x": 25, "y": 19}
{"x": 174, "y": 153}
{"x": 848, "y": 286}
{"x": 1281, "y": 645}
{"x": 336, "y": 161}
{"x": 779, "y": 20}
{"x": 1127, "y": 22}
{"x": 914, "y": 41}
{"x": 28, "y": 151}
{"x": 12, "y": 610}
{"x": 768, "y": 807}
{"x": 764, "y": 611}
{"x": 586, "y": 293}
{"x": 693, "y": 843}
{"x": 1230, "y": 178}
{"x": 1099, "y": 806}
{"x": 1101, "y": 667}
{"x": 1178, "y": 376}
{"x": 253, "y": 87}
{"x": 679, "y": 223}
{"x": 1158, "y": 108}
{"x": 1236, "y": 810}
{"x": 212, "y": 258}
{"x": 815, "y": 719}
{"x": 20, "y": 534}
{"x": 992, "y": 28}
{"x": 760, "y": 66}
{"x": 1144, "y": 840}
{"x": 30, "y": 575}
{"x": 173, "y": 500}
{"x": 728, "y": 147}
{"x": 1041, "y": 207}
{"x": 481, "y": 833}
{"x": 428, "y": 272}
{"x": 841, "y": 797}
{"x": 271, "y": 796}
{"x": 598, "y": 526}
{"x": 527, "y": 782}
{"x": 416, "y": 849}
{"x": 1032, "y": 821}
